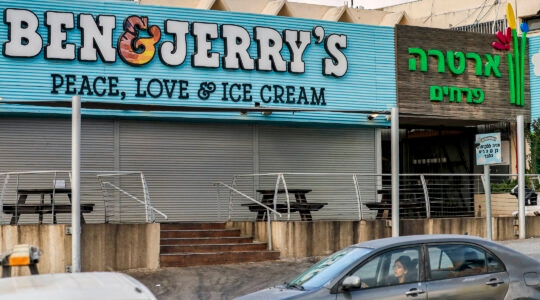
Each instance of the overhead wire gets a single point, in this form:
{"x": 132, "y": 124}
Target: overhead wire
{"x": 487, "y": 12}
{"x": 470, "y": 14}
{"x": 496, "y": 15}
{"x": 481, "y": 9}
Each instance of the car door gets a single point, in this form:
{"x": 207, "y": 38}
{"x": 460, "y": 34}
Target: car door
{"x": 464, "y": 271}
{"x": 379, "y": 280}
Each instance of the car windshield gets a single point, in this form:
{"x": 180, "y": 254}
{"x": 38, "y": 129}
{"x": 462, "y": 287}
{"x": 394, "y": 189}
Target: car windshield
{"x": 328, "y": 268}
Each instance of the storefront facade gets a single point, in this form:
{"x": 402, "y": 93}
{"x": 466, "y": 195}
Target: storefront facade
{"x": 217, "y": 69}
{"x": 454, "y": 84}
{"x": 451, "y": 86}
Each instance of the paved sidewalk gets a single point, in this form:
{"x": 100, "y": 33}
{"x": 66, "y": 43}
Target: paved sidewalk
{"x": 229, "y": 281}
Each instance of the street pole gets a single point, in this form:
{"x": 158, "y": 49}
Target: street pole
{"x": 76, "y": 184}
{"x": 487, "y": 192}
{"x": 521, "y": 175}
{"x": 395, "y": 171}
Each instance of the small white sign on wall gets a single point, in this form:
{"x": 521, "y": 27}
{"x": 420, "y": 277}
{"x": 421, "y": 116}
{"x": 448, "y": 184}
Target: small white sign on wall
{"x": 488, "y": 148}
{"x": 59, "y": 184}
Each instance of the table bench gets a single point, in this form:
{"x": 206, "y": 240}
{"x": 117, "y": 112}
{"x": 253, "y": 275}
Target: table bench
{"x": 300, "y": 205}
{"x": 41, "y": 208}
{"x": 384, "y": 209}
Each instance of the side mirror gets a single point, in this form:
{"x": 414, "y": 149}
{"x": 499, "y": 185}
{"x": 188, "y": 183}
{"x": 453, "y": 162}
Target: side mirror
{"x": 351, "y": 282}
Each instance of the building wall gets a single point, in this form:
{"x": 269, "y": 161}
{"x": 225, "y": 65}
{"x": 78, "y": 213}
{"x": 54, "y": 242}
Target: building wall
{"x": 449, "y": 14}
{"x": 181, "y": 162}
{"x": 534, "y": 50}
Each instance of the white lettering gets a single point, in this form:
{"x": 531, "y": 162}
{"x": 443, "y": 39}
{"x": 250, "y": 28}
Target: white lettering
{"x": 337, "y": 65}
{"x": 23, "y": 39}
{"x": 234, "y": 44}
{"x": 57, "y": 47}
{"x": 237, "y": 42}
{"x": 269, "y": 44}
{"x": 203, "y": 33}
{"x": 97, "y": 38}
{"x": 174, "y": 54}
{"x": 297, "y": 41}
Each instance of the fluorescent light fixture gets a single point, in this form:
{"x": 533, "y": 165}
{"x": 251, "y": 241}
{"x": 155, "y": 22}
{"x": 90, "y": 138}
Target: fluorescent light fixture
{"x": 372, "y": 116}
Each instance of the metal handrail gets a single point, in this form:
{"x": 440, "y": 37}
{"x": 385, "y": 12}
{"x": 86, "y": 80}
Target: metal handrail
{"x": 281, "y": 177}
{"x": 268, "y": 209}
{"x": 424, "y": 181}
{"x": 149, "y": 209}
{"x": 247, "y": 197}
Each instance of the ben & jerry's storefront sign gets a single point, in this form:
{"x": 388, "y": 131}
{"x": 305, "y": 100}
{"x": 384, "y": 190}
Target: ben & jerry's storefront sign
{"x": 187, "y": 57}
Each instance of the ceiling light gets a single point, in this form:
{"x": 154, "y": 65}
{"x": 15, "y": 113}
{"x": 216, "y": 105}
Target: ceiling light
{"x": 372, "y": 116}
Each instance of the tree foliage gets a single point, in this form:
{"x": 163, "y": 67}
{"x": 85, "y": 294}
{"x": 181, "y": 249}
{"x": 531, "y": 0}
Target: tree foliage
{"x": 533, "y": 138}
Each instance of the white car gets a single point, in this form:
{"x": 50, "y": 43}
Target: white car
{"x": 74, "y": 286}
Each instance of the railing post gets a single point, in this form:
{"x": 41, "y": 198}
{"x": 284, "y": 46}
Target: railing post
{"x": 105, "y": 199}
{"x": 426, "y": 196}
{"x": 286, "y": 197}
{"x": 269, "y": 224}
{"x": 360, "y": 211}
{"x": 395, "y": 171}
{"x": 233, "y": 184}
{"x": 274, "y": 200}
{"x": 2, "y": 195}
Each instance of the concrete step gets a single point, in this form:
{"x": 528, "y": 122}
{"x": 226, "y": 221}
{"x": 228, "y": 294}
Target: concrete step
{"x": 206, "y": 240}
{"x": 194, "y": 244}
{"x": 203, "y": 248}
{"x": 216, "y": 258}
{"x": 192, "y": 226}
{"x": 192, "y": 233}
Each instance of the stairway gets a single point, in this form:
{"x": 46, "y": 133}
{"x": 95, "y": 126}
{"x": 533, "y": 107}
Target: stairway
{"x": 195, "y": 244}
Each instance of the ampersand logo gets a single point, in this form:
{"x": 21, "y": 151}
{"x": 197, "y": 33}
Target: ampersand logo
{"x": 136, "y": 50}
{"x": 206, "y": 89}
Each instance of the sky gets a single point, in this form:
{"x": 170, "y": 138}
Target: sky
{"x": 367, "y": 4}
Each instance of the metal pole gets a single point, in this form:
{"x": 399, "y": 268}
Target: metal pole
{"x": 521, "y": 175}
{"x": 395, "y": 171}
{"x": 487, "y": 192}
{"x": 76, "y": 184}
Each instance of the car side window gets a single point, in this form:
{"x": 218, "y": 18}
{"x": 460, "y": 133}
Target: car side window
{"x": 494, "y": 265}
{"x": 458, "y": 260}
{"x": 390, "y": 268}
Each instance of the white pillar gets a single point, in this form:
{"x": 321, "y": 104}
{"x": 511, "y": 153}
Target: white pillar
{"x": 76, "y": 184}
{"x": 521, "y": 175}
{"x": 395, "y": 171}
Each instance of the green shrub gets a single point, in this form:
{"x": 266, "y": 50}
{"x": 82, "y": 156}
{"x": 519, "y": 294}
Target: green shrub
{"x": 503, "y": 187}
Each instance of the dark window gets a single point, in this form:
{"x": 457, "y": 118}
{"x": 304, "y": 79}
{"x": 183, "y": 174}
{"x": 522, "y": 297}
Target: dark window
{"x": 390, "y": 268}
{"x": 459, "y": 260}
{"x": 534, "y": 23}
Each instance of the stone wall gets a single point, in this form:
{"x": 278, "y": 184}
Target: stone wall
{"x": 118, "y": 247}
{"x": 304, "y": 239}
{"x": 104, "y": 247}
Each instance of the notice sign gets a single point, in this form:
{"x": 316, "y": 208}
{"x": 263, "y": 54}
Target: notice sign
{"x": 488, "y": 148}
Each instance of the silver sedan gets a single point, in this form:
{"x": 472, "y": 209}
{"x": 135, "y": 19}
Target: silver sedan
{"x": 416, "y": 267}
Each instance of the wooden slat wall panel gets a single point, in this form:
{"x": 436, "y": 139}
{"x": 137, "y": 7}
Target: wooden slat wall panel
{"x": 413, "y": 86}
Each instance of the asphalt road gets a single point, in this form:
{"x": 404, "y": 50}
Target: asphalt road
{"x": 229, "y": 281}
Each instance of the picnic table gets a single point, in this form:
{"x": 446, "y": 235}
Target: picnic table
{"x": 408, "y": 207}
{"x": 42, "y": 207}
{"x": 300, "y": 205}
